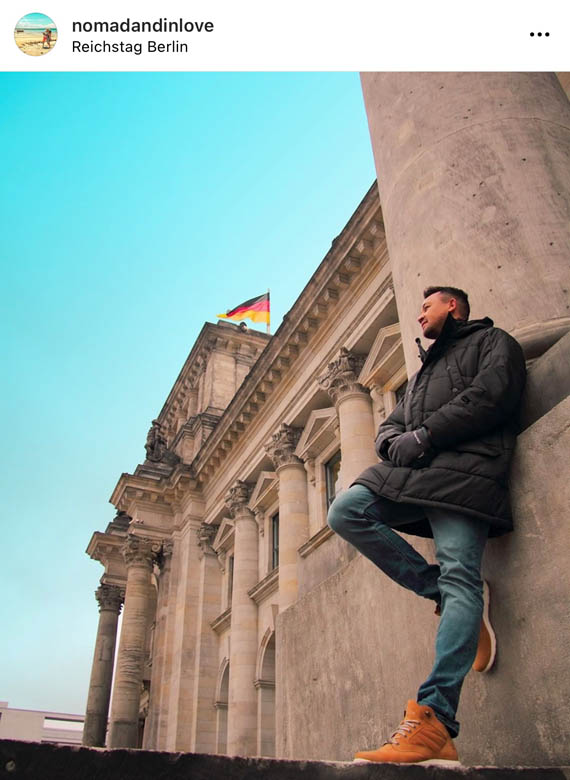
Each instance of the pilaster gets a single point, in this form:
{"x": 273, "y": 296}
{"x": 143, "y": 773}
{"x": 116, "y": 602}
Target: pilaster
{"x": 206, "y": 658}
{"x": 157, "y": 703}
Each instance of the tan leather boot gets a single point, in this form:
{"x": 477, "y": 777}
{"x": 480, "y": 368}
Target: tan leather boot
{"x": 420, "y": 739}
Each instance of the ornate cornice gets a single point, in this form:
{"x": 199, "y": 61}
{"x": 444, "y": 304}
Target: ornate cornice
{"x": 223, "y": 336}
{"x": 342, "y": 376}
{"x": 110, "y": 597}
{"x": 281, "y": 448}
{"x": 237, "y": 498}
{"x": 141, "y": 551}
{"x": 156, "y": 484}
{"x": 361, "y": 243}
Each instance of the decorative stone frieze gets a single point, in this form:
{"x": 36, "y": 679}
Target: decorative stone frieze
{"x": 205, "y": 537}
{"x": 377, "y": 395}
{"x": 141, "y": 551}
{"x": 163, "y": 557}
{"x": 342, "y": 374}
{"x": 260, "y": 519}
{"x": 310, "y": 469}
{"x": 281, "y": 448}
{"x": 110, "y": 597}
{"x": 237, "y": 497}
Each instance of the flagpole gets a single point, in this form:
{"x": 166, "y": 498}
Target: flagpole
{"x": 269, "y": 319}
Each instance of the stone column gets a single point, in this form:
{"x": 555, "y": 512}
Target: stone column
{"x": 110, "y": 598}
{"x": 352, "y": 401}
{"x": 242, "y": 701}
{"x": 475, "y": 190}
{"x": 157, "y": 706}
{"x": 139, "y": 554}
{"x": 293, "y": 509}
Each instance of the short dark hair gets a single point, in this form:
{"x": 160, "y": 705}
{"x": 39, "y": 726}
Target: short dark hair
{"x": 452, "y": 292}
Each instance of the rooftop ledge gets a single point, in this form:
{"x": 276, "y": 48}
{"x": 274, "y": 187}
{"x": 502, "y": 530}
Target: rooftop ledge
{"x": 33, "y": 760}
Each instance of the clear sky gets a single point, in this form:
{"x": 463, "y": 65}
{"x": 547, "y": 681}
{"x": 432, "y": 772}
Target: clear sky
{"x": 135, "y": 207}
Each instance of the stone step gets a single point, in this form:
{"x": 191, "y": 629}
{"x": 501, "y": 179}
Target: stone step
{"x": 36, "y": 761}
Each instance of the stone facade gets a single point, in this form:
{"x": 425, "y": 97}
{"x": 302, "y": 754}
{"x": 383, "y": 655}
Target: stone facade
{"x": 248, "y": 627}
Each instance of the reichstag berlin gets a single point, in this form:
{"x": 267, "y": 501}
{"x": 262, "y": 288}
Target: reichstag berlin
{"x": 248, "y": 626}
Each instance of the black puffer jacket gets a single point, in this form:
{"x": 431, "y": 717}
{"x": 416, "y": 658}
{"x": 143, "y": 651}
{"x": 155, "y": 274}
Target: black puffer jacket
{"x": 467, "y": 394}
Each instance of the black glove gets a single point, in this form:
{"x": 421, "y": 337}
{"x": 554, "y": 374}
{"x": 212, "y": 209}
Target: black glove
{"x": 410, "y": 447}
{"x": 383, "y": 445}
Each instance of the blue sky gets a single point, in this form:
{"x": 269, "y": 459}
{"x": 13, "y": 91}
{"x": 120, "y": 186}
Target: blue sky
{"x": 35, "y": 21}
{"x": 135, "y": 207}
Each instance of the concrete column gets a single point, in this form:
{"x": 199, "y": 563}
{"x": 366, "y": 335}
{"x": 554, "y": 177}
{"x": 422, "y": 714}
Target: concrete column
{"x": 293, "y": 509}
{"x": 242, "y": 702}
{"x": 157, "y": 709}
{"x": 354, "y": 407}
{"x": 110, "y": 598}
{"x": 475, "y": 189}
{"x": 139, "y": 554}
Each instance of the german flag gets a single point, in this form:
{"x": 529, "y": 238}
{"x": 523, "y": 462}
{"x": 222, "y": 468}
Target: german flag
{"x": 256, "y": 309}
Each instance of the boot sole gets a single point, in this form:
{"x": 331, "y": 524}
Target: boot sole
{"x": 427, "y": 762}
{"x": 489, "y": 627}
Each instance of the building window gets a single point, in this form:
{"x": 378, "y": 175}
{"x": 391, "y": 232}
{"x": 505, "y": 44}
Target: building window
{"x": 401, "y": 391}
{"x": 275, "y": 541}
{"x": 230, "y": 579}
{"x": 332, "y": 472}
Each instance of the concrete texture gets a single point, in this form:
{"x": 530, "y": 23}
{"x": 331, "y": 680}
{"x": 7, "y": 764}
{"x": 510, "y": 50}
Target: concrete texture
{"x": 475, "y": 190}
{"x": 548, "y": 382}
{"x": 30, "y": 761}
{"x": 353, "y": 650}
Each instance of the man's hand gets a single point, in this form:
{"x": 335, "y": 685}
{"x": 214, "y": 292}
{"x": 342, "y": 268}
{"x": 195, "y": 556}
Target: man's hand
{"x": 409, "y": 447}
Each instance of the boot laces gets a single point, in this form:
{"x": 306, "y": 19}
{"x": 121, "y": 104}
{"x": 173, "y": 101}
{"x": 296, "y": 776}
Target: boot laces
{"x": 406, "y": 727}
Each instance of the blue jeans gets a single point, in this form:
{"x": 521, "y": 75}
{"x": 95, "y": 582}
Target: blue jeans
{"x": 366, "y": 521}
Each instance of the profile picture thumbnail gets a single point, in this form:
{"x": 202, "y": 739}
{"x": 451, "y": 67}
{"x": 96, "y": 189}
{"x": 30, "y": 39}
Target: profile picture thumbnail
{"x": 35, "y": 34}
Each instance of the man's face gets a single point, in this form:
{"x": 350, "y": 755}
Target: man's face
{"x": 434, "y": 311}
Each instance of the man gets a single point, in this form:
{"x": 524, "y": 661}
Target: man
{"x": 445, "y": 452}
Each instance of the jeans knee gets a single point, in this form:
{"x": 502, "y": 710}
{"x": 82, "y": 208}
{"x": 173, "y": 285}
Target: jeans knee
{"x": 335, "y": 517}
{"x": 461, "y": 580}
{"x": 347, "y": 510}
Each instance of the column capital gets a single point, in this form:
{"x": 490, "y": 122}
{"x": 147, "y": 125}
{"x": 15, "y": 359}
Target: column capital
{"x": 140, "y": 550}
{"x": 237, "y": 498}
{"x": 110, "y": 597}
{"x": 281, "y": 448}
{"x": 163, "y": 558}
{"x": 341, "y": 378}
{"x": 205, "y": 536}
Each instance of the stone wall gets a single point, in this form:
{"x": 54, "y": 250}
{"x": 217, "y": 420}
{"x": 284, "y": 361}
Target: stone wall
{"x": 354, "y": 649}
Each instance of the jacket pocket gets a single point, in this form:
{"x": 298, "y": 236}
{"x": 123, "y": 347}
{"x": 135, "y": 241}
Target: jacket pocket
{"x": 488, "y": 447}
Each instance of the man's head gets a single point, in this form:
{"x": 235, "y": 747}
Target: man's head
{"x": 438, "y": 303}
